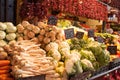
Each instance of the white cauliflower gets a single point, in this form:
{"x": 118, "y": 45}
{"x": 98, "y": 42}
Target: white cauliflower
{"x": 10, "y": 27}
{"x": 52, "y": 45}
{"x": 11, "y": 36}
{"x": 87, "y": 65}
{"x": 64, "y": 49}
{"x": 3, "y": 26}
{"x": 72, "y": 64}
{"x": 65, "y": 52}
{"x": 55, "y": 54}
{"x": 2, "y": 35}
{"x": 64, "y": 44}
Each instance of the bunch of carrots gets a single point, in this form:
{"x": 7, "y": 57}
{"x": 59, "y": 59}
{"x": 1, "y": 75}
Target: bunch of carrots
{"x": 5, "y": 70}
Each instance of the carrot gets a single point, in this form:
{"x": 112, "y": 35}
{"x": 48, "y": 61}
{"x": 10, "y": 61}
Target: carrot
{"x": 5, "y": 75}
{"x": 5, "y": 68}
{"x": 6, "y": 78}
{"x": 4, "y": 63}
{"x": 3, "y": 71}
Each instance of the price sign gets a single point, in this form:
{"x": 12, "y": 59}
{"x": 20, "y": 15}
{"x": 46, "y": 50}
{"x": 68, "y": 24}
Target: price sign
{"x": 112, "y": 49}
{"x": 79, "y": 34}
{"x": 52, "y": 20}
{"x": 91, "y": 33}
{"x": 100, "y": 39}
{"x": 69, "y": 33}
{"x": 41, "y": 77}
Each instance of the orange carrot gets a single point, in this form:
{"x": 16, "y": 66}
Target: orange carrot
{"x": 5, "y": 68}
{"x": 3, "y": 71}
{"x": 6, "y": 78}
{"x": 5, "y": 75}
{"x": 4, "y": 63}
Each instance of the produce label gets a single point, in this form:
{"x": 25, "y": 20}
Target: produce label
{"x": 100, "y": 39}
{"x": 91, "y": 33}
{"x": 69, "y": 33}
{"x": 112, "y": 49}
{"x": 40, "y": 77}
{"x": 79, "y": 34}
{"x": 52, "y": 20}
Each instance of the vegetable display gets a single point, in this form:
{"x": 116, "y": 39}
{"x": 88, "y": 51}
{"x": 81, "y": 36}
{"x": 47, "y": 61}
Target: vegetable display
{"x": 42, "y": 33}
{"x": 7, "y": 33}
{"x": 28, "y": 59}
{"x": 42, "y": 49}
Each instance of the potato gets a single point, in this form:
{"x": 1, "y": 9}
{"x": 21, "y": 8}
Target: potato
{"x": 35, "y": 40}
{"x": 20, "y": 28}
{"x": 12, "y": 42}
{"x": 19, "y": 35}
{"x": 42, "y": 32}
{"x": 52, "y": 33}
{"x": 30, "y": 27}
{"x": 26, "y": 38}
{"x": 53, "y": 38}
{"x": 36, "y": 30}
{"x": 3, "y": 55}
{"x": 19, "y": 38}
{"x": 31, "y": 34}
{"x": 47, "y": 34}
{"x": 46, "y": 40}
{"x": 41, "y": 25}
{"x": 25, "y": 23}
{"x": 40, "y": 38}
{"x": 26, "y": 32}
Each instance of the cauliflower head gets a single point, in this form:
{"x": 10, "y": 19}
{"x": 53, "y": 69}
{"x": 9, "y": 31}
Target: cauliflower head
{"x": 3, "y": 26}
{"x": 10, "y": 27}
{"x": 10, "y": 36}
{"x": 2, "y": 35}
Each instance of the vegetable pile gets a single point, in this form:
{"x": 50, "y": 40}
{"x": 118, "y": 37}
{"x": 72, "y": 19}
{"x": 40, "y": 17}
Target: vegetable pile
{"x": 5, "y": 70}
{"x": 91, "y": 50}
{"x": 42, "y": 33}
{"x": 28, "y": 59}
{"x": 7, "y": 33}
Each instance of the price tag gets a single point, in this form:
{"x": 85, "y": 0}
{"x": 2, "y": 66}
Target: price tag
{"x": 79, "y": 34}
{"x": 91, "y": 33}
{"x": 112, "y": 49}
{"x": 69, "y": 33}
{"x": 41, "y": 77}
{"x": 52, "y": 20}
{"x": 100, "y": 39}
